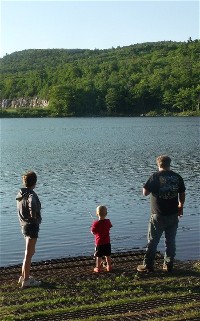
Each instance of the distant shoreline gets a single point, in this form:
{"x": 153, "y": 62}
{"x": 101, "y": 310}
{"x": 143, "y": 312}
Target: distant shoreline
{"x": 45, "y": 114}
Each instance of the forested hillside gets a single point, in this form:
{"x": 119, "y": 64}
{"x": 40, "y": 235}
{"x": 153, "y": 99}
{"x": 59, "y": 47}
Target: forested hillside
{"x": 153, "y": 78}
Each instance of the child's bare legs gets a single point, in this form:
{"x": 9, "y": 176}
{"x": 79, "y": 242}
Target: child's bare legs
{"x": 29, "y": 252}
{"x": 108, "y": 261}
{"x": 98, "y": 262}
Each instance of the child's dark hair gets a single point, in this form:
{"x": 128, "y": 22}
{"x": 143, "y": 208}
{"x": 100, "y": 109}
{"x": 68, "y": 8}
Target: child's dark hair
{"x": 29, "y": 179}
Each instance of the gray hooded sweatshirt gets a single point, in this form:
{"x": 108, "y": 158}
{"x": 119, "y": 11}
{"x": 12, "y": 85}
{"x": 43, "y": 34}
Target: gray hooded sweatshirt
{"x": 28, "y": 207}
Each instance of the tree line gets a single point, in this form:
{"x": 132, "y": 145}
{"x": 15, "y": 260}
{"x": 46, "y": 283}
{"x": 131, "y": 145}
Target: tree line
{"x": 147, "y": 78}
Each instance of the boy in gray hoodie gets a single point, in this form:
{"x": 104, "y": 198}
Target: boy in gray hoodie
{"x": 29, "y": 214}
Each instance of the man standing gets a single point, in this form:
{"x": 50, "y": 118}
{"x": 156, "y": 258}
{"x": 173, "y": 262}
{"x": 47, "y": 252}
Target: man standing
{"x": 167, "y": 191}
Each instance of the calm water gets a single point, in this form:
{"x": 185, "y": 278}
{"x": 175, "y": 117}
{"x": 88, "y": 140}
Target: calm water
{"x": 84, "y": 162}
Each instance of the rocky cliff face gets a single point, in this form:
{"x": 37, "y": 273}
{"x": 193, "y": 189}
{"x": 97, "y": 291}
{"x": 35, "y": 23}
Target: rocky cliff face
{"x": 25, "y": 102}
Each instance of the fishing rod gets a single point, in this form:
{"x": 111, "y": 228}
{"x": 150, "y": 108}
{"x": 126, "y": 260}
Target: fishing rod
{"x": 92, "y": 216}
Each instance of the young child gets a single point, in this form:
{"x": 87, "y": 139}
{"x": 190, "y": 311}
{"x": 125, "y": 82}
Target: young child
{"x": 101, "y": 230}
{"x": 29, "y": 214}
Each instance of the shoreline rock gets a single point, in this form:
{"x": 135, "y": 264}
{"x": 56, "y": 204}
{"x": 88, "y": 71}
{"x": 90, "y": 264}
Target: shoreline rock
{"x": 24, "y": 102}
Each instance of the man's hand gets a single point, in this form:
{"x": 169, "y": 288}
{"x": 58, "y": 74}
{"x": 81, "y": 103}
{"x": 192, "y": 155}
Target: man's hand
{"x": 180, "y": 210}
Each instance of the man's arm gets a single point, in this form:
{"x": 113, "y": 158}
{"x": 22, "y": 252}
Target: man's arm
{"x": 182, "y": 198}
{"x": 181, "y": 203}
{"x": 145, "y": 191}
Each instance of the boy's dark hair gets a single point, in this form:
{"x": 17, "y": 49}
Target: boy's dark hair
{"x": 30, "y": 179}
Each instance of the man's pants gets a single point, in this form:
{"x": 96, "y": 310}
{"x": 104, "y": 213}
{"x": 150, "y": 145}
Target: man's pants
{"x": 157, "y": 225}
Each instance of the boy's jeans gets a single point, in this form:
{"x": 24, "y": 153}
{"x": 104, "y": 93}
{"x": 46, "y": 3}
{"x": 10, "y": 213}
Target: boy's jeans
{"x": 157, "y": 225}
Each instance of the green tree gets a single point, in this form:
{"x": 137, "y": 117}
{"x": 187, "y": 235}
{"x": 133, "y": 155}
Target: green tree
{"x": 112, "y": 100}
{"x": 184, "y": 98}
{"x": 62, "y": 101}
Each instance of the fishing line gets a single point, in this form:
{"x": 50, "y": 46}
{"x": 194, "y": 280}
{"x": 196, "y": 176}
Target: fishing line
{"x": 92, "y": 217}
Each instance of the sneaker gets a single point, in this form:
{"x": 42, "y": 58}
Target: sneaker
{"x": 21, "y": 279}
{"x": 167, "y": 267}
{"x": 104, "y": 264}
{"x": 144, "y": 268}
{"x": 30, "y": 282}
{"x": 109, "y": 268}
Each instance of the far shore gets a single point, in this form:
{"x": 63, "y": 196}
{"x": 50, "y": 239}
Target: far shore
{"x": 45, "y": 113}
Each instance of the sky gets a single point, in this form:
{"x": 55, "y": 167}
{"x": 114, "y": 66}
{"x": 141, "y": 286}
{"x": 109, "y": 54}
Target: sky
{"x": 94, "y": 24}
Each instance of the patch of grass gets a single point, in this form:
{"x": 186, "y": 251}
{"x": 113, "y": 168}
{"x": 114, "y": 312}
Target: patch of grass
{"x": 108, "y": 296}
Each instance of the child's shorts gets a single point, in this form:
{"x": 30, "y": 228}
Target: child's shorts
{"x": 30, "y": 230}
{"x": 103, "y": 250}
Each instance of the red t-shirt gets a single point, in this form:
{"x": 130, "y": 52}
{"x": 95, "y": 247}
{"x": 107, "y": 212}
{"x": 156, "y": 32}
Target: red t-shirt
{"x": 101, "y": 230}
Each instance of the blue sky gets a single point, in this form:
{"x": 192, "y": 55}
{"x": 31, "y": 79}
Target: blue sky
{"x": 94, "y": 24}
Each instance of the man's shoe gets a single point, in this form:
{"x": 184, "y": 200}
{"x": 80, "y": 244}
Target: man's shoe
{"x": 144, "y": 268}
{"x": 167, "y": 268}
{"x": 30, "y": 282}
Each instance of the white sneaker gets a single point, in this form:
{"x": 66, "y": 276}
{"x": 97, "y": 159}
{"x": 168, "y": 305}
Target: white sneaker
{"x": 21, "y": 279}
{"x": 30, "y": 282}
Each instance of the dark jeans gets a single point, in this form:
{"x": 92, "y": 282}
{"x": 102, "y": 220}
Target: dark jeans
{"x": 157, "y": 225}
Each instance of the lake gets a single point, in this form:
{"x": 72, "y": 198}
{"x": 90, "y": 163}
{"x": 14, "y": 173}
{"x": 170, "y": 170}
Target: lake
{"x": 84, "y": 162}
